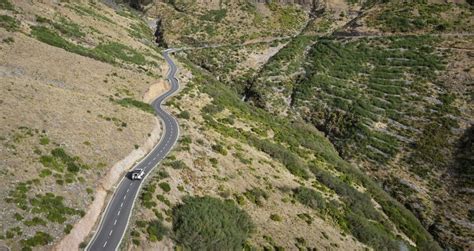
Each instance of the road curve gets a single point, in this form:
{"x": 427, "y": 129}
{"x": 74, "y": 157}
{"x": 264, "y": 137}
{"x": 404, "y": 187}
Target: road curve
{"x": 115, "y": 219}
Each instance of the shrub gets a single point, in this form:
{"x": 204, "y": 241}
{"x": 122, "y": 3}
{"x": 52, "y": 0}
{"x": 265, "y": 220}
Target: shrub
{"x": 156, "y": 230}
{"x": 53, "y": 207}
{"x": 184, "y": 115}
{"x": 121, "y": 52}
{"x": 212, "y": 109}
{"x": 104, "y": 52}
{"x": 165, "y": 186}
{"x": 18, "y": 217}
{"x": 215, "y": 15}
{"x": 256, "y": 195}
{"x": 129, "y": 102}
{"x": 35, "y": 221}
{"x": 39, "y": 239}
{"x": 220, "y": 149}
{"x": 67, "y": 228}
{"x": 44, "y": 140}
{"x": 6, "y": 5}
{"x": 275, "y": 217}
{"x": 9, "y": 23}
{"x": 177, "y": 164}
{"x": 310, "y": 198}
{"x": 8, "y": 40}
{"x": 206, "y": 223}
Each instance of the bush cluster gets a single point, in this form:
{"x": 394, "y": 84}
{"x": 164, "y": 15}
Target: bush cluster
{"x": 206, "y": 223}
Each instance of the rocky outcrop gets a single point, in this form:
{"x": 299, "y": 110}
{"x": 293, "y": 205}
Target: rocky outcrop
{"x": 139, "y": 4}
{"x": 159, "y": 34}
{"x": 308, "y": 4}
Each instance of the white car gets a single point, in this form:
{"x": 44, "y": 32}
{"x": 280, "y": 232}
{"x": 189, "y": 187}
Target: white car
{"x": 137, "y": 174}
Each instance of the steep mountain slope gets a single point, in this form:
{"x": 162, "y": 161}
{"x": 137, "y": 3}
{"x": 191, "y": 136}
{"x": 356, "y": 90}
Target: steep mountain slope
{"x": 394, "y": 100}
{"x": 236, "y": 152}
{"x": 70, "y": 75}
{"x": 286, "y": 114}
{"x": 194, "y": 23}
{"x": 392, "y": 90}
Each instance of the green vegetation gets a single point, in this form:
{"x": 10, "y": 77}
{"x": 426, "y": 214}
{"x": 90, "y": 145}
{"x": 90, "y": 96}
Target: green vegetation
{"x": 35, "y": 221}
{"x": 6, "y": 5}
{"x": 310, "y": 198}
{"x": 289, "y": 16}
{"x": 165, "y": 187}
{"x": 256, "y": 195}
{"x": 147, "y": 196}
{"x": 65, "y": 27}
{"x": 293, "y": 141}
{"x": 53, "y": 207}
{"x": 220, "y": 149}
{"x": 59, "y": 160}
{"x": 397, "y": 17}
{"x": 122, "y": 52}
{"x": 130, "y": 102}
{"x": 106, "y": 52}
{"x": 184, "y": 115}
{"x": 215, "y": 15}
{"x": 177, "y": 164}
{"x": 352, "y": 85}
{"x": 8, "y": 40}
{"x": 39, "y": 239}
{"x": 89, "y": 11}
{"x": 44, "y": 140}
{"x": 9, "y": 23}
{"x": 156, "y": 230}
{"x": 206, "y": 223}
{"x": 141, "y": 30}
{"x": 275, "y": 217}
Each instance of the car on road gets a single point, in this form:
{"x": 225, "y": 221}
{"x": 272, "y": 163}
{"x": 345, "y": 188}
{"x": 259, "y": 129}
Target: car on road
{"x": 137, "y": 174}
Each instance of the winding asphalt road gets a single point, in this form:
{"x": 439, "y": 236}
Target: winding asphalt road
{"x": 115, "y": 219}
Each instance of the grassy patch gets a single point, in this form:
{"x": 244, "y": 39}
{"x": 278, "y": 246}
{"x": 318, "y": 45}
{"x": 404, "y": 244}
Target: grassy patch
{"x": 88, "y": 11}
{"x": 256, "y": 195}
{"x": 107, "y": 52}
{"x": 122, "y": 52}
{"x": 177, "y": 164}
{"x": 130, "y": 102}
{"x": 6, "y": 5}
{"x": 165, "y": 187}
{"x": 396, "y": 17}
{"x": 9, "y": 23}
{"x": 310, "y": 198}
{"x": 156, "y": 230}
{"x": 206, "y": 223}
{"x": 215, "y": 15}
{"x": 59, "y": 161}
{"x": 147, "y": 196}
{"x": 141, "y": 30}
{"x": 184, "y": 115}
{"x": 39, "y": 239}
{"x": 53, "y": 207}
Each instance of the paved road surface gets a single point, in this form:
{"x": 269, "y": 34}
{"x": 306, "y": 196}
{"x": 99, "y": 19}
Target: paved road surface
{"x": 115, "y": 219}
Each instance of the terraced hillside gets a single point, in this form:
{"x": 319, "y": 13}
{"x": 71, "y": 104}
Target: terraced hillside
{"x": 396, "y": 105}
{"x": 395, "y": 101}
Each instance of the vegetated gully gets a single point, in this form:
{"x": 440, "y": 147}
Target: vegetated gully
{"x": 115, "y": 218}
